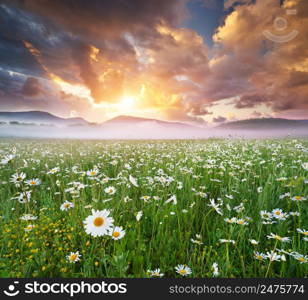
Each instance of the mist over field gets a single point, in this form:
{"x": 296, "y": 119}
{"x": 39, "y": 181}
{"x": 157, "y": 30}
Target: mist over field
{"x": 143, "y": 131}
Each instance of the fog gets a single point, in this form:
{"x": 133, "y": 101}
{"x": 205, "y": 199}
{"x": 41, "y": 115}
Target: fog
{"x": 142, "y": 131}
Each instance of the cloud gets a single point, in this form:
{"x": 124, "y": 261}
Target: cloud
{"x": 219, "y": 119}
{"x": 255, "y": 69}
{"x": 95, "y": 53}
{"x": 31, "y": 87}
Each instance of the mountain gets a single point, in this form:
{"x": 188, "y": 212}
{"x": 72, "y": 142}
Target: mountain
{"x": 137, "y": 121}
{"x": 39, "y": 117}
{"x": 265, "y": 124}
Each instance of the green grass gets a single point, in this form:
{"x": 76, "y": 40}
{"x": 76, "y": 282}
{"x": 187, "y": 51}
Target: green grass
{"x": 213, "y": 169}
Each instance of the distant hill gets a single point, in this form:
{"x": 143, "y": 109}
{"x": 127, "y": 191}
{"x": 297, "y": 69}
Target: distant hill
{"x": 39, "y": 117}
{"x": 137, "y": 121}
{"x": 265, "y": 124}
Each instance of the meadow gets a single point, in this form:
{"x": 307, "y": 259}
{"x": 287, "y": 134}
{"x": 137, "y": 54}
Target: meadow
{"x": 191, "y": 208}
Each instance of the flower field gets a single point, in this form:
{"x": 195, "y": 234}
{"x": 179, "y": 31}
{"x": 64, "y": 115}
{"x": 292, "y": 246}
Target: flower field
{"x": 215, "y": 208}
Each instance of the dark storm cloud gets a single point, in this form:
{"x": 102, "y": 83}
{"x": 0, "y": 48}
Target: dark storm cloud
{"x": 101, "y": 17}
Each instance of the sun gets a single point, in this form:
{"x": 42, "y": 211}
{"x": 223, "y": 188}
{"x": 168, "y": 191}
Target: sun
{"x": 127, "y": 102}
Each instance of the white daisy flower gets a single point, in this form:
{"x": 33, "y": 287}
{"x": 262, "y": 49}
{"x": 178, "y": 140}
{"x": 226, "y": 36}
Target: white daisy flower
{"x": 92, "y": 173}
{"x": 305, "y": 166}
{"x": 277, "y": 213}
{"x": 99, "y": 223}
{"x": 139, "y": 215}
{"x": 278, "y": 238}
{"x": 133, "y": 181}
{"x": 298, "y": 198}
{"x": 172, "y": 199}
{"x": 110, "y": 190}
{"x": 302, "y": 231}
{"x": 33, "y": 182}
{"x": 18, "y": 178}
{"x": 66, "y": 205}
{"x": 73, "y": 257}
{"x": 215, "y": 269}
{"x": 226, "y": 241}
{"x": 183, "y": 270}
{"x": 155, "y": 273}
{"x": 29, "y": 227}
{"x": 259, "y": 255}
{"x": 28, "y": 217}
{"x": 117, "y": 233}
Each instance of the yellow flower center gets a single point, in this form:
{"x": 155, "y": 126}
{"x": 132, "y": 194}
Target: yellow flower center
{"x": 182, "y": 272}
{"x": 32, "y": 182}
{"x": 73, "y": 257}
{"x": 116, "y": 234}
{"x": 66, "y": 205}
{"x": 298, "y": 197}
{"x": 98, "y": 221}
{"x": 277, "y": 213}
{"x": 301, "y": 259}
{"x": 278, "y": 237}
{"x": 305, "y": 233}
{"x": 93, "y": 173}
{"x": 259, "y": 257}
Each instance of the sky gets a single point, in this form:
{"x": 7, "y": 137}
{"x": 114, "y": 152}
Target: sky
{"x": 195, "y": 61}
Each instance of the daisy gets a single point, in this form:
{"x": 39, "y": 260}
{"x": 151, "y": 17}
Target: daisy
{"x": 298, "y": 198}
{"x": 303, "y": 259}
{"x": 133, "y": 181}
{"x": 98, "y": 224}
{"x": 28, "y": 217}
{"x": 278, "y": 238}
{"x": 305, "y": 166}
{"x": 117, "y": 233}
{"x": 24, "y": 197}
{"x": 265, "y": 215}
{"x": 241, "y": 222}
{"x": 66, "y": 205}
{"x": 73, "y": 257}
{"x": 110, "y": 190}
{"x": 54, "y": 170}
{"x": 155, "y": 273}
{"x": 7, "y": 159}
{"x": 17, "y": 178}
{"x": 259, "y": 256}
{"x": 145, "y": 198}
{"x": 196, "y": 242}
{"x": 277, "y": 213}
{"x": 215, "y": 269}
{"x": 230, "y": 221}
{"x": 29, "y": 227}
{"x": 226, "y": 241}
{"x": 172, "y": 199}
{"x": 139, "y": 215}
{"x": 273, "y": 256}
{"x": 253, "y": 242}
{"x": 215, "y": 206}
{"x": 302, "y": 231}
{"x": 34, "y": 182}
{"x": 183, "y": 270}
{"x": 92, "y": 173}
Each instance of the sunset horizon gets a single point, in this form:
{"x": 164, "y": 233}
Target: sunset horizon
{"x": 201, "y": 62}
